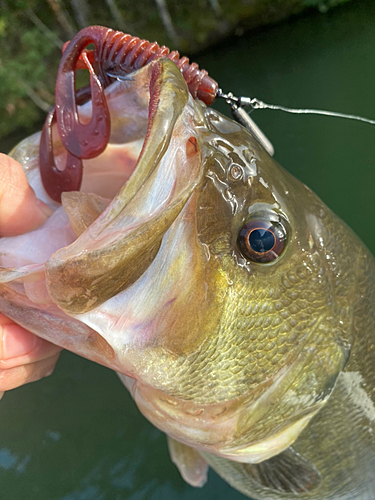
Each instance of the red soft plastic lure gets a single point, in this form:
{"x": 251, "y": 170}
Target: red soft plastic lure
{"x": 115, "y": 53}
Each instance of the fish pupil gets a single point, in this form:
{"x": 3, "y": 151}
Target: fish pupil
{"x": 261, "y": 240}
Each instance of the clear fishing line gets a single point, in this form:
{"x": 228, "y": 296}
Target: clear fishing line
{"x": 257, "y": 104}
{"x": 238, "y": 105}
{"x": 254, "y": 103}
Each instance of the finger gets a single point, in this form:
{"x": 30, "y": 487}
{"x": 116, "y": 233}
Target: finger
{"x": 18, "y": 346}
{"x": 20, "y": 209}
{"x": 20, "y": 375}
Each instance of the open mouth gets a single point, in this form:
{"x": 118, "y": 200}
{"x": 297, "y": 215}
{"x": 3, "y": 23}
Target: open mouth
{"x": 114, "y": 247}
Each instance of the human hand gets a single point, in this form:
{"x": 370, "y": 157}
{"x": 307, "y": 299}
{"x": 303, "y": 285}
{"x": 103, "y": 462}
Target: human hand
{"x": 24, "y": 357}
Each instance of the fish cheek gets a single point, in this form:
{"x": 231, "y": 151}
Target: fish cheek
{"x": 195, "y": 310}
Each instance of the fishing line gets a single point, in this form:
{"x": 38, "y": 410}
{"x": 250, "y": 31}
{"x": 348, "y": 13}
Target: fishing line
{"x": 237, "y": 105}
{"x": 257, "y": 104}
{"x": 242, "y": 102}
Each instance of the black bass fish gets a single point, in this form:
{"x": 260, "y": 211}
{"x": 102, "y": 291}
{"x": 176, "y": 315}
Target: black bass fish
{"x": 225, "y": 293}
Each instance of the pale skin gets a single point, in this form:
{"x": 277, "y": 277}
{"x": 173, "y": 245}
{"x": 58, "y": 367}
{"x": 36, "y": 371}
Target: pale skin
{"x": 24, "y": 357}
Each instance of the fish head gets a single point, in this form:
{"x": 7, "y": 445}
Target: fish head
{"x": 217, "y": 284}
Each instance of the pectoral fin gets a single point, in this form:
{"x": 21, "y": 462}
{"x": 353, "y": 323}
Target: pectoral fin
{"x": 287, "y": 472}
{"x": 193, "y": 468}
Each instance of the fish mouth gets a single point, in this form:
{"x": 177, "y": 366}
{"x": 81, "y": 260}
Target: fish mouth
{"x": 118, "y": 247}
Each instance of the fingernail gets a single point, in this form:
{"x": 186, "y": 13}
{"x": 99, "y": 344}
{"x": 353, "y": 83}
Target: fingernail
{"x": 17, "y": 341}
{"x": 47, "y": 211}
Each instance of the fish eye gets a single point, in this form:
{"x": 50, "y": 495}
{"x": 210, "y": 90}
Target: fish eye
{"x": 262, "y": 240}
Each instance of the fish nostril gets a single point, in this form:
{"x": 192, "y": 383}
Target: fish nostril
{"x": 236, "y": 172}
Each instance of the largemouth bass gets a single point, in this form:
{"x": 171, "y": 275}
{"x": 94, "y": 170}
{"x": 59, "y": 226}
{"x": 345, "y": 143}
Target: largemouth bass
{"x": 223, "y": 291}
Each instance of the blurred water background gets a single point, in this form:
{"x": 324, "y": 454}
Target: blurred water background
{"x": 78, "y": 435}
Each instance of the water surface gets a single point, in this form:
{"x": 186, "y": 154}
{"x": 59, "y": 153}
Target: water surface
{"x": 78, "y": 435}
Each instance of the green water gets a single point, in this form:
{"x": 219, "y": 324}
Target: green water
{"x": 78, "y": 435}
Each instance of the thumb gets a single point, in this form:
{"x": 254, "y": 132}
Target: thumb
{"x": 20, "y": 209}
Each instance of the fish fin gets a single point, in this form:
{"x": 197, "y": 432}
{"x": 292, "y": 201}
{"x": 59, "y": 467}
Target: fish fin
{"x": 192, "y": 466}
{"x": 287, "y": 473}
{"x": 82, "y": 209}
